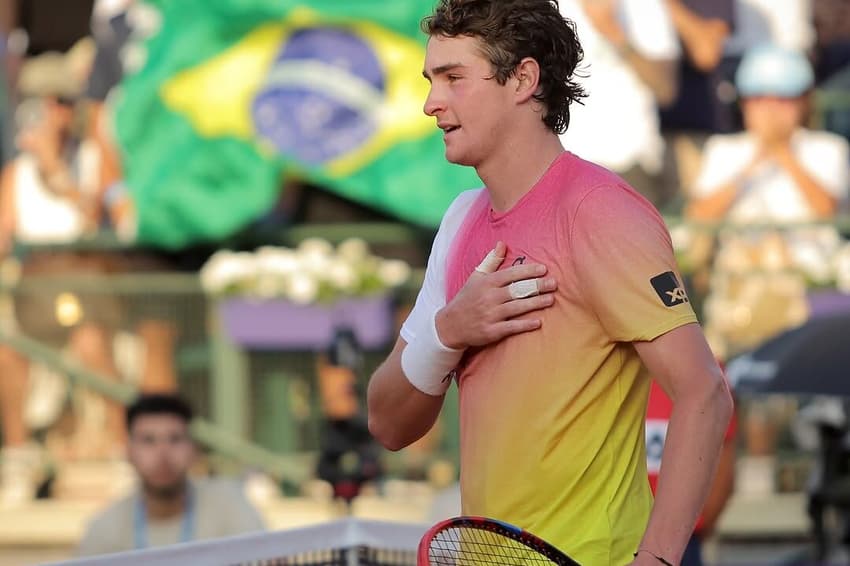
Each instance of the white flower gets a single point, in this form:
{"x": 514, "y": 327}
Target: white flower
{"x": 315, "y": 246}
{"x": 304, "y": 275}
{"x": 393, "y": 272}
{"x": 277, "y": 261}
{"x": 342, "y": 275}
{"x": 314, "y": 256}
{"x": 353, "y": 249}
{"x": 302, "y": 289}
{"x": 226, "y": 268}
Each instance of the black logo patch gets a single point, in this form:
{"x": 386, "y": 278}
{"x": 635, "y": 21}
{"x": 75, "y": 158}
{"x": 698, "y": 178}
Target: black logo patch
{"x": 669, "y": 290}
{"x": 519, "y": 261}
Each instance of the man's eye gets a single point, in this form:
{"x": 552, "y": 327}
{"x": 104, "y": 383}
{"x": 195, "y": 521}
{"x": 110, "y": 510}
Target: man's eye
{"x": 453, "y": 78}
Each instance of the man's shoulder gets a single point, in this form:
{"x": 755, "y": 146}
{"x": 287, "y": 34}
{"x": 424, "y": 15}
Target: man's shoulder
{"x": 115, "y": 513}
{"x": 109, "y": 529}
{"x": 590, "y": 184}
{"x": 219, "y": 492}
{"x": 822, "y": 139}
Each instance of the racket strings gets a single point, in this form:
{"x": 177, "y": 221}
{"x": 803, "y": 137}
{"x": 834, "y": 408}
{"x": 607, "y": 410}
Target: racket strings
{"x": 468, "y": 547}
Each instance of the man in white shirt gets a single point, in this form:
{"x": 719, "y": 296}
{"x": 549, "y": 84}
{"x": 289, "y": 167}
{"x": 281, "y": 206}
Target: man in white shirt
{"x": 776, "y": 171}
{"x": 629, "y": 70}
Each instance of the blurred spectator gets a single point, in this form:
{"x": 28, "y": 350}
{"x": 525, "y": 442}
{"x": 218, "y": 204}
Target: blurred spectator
{"x": 168, "y": 507}
{"x": 46, "y": 198}
{"x": 630, "y": 59}
{"x": 787, "y": 23}
{"x": 775, "y": 174}
{"x": 832, "y": 28}
{"x": 112, "y": 28}
{"x": 832, "y": 65}
{"x": 702, "y": 27}
{"x": 704, "y": 103}
{"x": 659, "y": 411}
{"x": 776, "y": 170}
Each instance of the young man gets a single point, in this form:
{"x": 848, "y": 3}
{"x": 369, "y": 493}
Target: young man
{"x": 168, "y": 508}
{"x": 550, "y": 335}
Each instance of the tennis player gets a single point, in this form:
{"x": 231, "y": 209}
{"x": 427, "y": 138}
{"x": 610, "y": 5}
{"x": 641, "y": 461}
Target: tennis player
{"x": 548, "y": 295}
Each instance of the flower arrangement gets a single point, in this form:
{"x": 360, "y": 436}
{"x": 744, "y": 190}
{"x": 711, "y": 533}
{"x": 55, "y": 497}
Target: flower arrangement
{"x": 818, "y": 254}
{"x": 313, "y": 273}
{"x": 282, "y": 298}
{"x": 763, "y": 281}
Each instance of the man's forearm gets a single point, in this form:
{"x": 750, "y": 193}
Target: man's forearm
{"x": 821, "y": 201}
{"x": 694, "y": 439}
{"x": 399, "y": 414}
{"x": 703, "y": 38}
{"x": 714, "y": 206}
{"x": 659, "y": 76}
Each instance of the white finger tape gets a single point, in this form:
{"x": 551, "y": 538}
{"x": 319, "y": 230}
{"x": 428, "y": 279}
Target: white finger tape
{"x": 490, "y": 263}
{"x": 523, "y": 289}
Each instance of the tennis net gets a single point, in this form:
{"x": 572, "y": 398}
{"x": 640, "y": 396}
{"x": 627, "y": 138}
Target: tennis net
{"x": 345, "y": 542}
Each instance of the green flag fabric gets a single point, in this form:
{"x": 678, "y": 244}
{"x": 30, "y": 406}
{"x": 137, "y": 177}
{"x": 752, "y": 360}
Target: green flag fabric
{"x": 234, "y": 94}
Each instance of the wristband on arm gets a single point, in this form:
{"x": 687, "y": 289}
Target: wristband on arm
{"x": 427, "y": 362}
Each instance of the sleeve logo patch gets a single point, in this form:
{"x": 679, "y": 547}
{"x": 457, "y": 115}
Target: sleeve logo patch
{"x": 669, "y": 290}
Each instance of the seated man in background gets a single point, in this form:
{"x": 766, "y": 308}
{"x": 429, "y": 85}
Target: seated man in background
{"x": 168, "y": 507}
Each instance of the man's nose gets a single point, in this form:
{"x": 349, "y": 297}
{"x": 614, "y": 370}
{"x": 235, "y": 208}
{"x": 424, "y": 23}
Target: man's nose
{"x": 434, "y": 103}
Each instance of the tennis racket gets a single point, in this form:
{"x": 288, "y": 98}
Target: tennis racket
{"x": 468, "y": 541}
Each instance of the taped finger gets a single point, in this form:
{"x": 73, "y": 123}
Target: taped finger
{"x": 524, "y": 288}
{"x": 490, "y": 263}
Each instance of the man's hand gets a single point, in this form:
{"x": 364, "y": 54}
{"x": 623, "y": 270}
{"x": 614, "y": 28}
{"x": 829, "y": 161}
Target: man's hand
{"x": 486, "y": 309}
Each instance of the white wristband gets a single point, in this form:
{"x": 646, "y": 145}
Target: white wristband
{"x": 426, "y": 362}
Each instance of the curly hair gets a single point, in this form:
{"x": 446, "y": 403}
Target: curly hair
{"x": 511, "y": 30}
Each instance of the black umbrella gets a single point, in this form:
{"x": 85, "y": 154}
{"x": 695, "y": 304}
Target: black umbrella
{"x": 812, "y": 359}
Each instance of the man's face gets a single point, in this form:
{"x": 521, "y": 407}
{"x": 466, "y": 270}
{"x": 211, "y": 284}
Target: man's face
{"x": 161, "y": 451}
{"x": 773, "y": 119}
{"x": 466, "y": 99}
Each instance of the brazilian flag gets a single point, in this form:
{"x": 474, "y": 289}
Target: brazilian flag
{"x": 234, "y": 95}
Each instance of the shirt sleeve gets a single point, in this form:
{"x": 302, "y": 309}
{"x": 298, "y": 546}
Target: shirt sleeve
{"x": 106, "y": 533}
{"x": 725, "y": 156}
{"x": 244, "y": 517}
{"x": 623, "y": 260}
{"x": 432, "y": 295}
{"x": 649, "y": 29}
{"x": 826, "y": 158}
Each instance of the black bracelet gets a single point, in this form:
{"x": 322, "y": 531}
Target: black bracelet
{"x": 660, "y": 559}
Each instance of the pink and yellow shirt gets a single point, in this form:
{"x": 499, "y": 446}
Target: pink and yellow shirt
{"x": 551, "y": 421}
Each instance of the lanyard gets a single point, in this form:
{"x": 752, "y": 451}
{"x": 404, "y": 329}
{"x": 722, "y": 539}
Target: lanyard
{"x": 187, "y": 527}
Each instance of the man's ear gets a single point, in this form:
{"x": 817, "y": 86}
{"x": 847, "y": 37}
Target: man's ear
{"x": 527, "y": 77}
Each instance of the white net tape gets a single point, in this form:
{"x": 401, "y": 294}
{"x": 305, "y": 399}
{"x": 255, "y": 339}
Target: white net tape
{"x": 345, "y": 542}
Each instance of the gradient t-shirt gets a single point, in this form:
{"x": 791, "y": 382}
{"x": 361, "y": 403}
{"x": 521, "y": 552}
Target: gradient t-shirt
{"x": 551, "y": 421}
